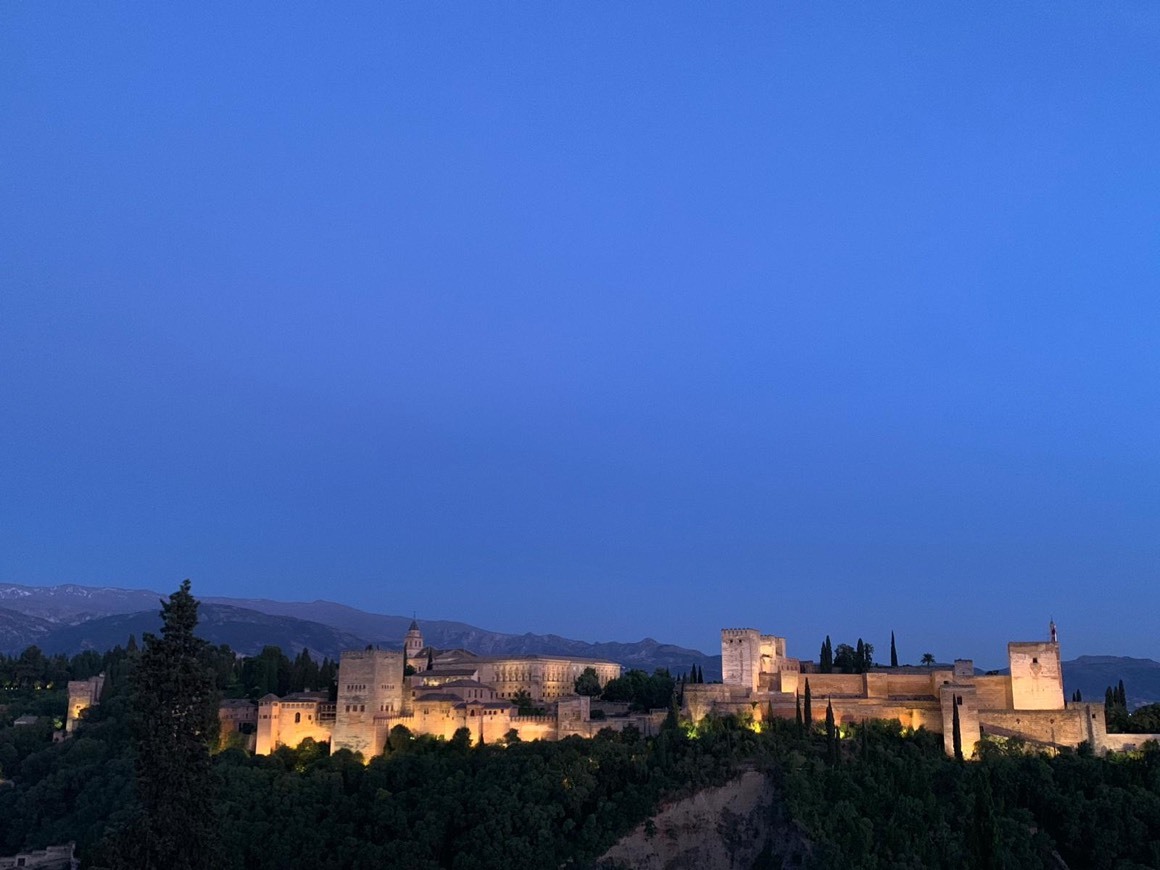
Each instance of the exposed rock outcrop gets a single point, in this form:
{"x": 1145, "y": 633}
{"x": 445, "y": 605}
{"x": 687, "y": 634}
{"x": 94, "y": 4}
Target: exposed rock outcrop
{"x": 737, "y": 826}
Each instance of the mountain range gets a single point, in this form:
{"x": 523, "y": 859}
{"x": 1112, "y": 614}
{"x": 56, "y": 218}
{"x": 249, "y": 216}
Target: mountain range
{"x": 71, "y": 618}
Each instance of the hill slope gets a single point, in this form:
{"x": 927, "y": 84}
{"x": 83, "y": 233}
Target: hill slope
{"x": 72, "y": 604}
{"x": 1092, "y": 674}
{"x": 246, "y": 631}
{"x": 18, "y": 631}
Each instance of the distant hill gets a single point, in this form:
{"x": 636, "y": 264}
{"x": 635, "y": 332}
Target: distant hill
{"x": 246, "y": 631}
{"x": 72, "y": 604}
{"x": 390, "y": 630}
{"x": 102, "y": 617}
{"x": 1091, "y": 675}
{"x": 18, "y": 631}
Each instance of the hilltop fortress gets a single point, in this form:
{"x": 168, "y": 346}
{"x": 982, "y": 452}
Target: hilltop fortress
{"x": 456, "y": 689}
{"x": 448, "y": 690}
{"x": 760, "y": 679}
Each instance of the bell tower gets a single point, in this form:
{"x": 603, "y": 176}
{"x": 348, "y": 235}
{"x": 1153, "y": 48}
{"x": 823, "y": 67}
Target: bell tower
{"x": 413, "y": 643}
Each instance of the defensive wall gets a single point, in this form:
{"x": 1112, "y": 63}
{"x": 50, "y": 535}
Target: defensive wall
{"x": 457, "y": 690}
{"x": 759, "y": 679}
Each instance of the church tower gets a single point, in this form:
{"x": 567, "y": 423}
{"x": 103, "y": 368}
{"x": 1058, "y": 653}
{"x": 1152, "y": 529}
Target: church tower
{"x": 413, "y": 644}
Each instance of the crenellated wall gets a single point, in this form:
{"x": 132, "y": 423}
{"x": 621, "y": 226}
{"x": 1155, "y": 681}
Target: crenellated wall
{"x": 289, "y": 721}
{"x": 759, "y": 679}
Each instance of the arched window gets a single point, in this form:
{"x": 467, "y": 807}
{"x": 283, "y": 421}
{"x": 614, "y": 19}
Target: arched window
{"x": 297, "y": 718}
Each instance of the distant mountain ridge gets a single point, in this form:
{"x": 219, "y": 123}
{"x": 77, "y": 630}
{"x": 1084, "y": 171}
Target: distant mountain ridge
{"x": 80, "y": 617}
{"x": 18, "y": 630}
{"x": 71, "y": 618}
{"x": 71, "y": 603}
{"x": 1091, "y": 675}
{"x": 246, "y": 632}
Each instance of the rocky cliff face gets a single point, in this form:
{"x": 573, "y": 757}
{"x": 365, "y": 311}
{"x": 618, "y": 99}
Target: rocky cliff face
{"x": 735, "y": 827}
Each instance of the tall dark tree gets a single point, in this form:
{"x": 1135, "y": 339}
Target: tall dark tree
{"x": 588, "y": 683}
{"x": 893, "y": 652}
{"x": 174, "y": 723}
{"x": 808, "y": 707}
{"x": 831, "y": 733}
{"x": 798, "y": 712}
{"x": 983, "y": 837}
{"x": 827, "y": 657}
{"x": 956, "y": 729}
{"x": 430, "y": 659}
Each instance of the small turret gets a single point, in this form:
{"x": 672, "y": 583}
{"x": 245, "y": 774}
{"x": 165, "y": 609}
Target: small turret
{"x": 1054, "y": 635}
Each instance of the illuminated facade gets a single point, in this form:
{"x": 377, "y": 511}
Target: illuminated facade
{"x": 457, "y": 690}
{"x": 1027, "y": 703}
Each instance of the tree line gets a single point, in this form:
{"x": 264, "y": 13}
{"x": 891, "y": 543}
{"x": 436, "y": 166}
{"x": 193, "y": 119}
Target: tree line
{"x": 138, "y": 786}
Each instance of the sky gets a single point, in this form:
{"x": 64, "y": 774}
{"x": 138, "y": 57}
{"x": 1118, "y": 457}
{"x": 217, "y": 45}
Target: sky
{"x": 604, "y": 320}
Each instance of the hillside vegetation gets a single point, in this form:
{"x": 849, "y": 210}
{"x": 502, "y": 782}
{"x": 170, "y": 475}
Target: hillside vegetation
{"x": 870, "y": 798}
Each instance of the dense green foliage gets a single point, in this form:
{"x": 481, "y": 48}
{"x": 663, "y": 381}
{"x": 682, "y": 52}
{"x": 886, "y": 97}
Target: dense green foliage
{"x": 851, "y": 659}
{"x": 588, "y": 683}
{"x": 642, "y": 691}
{"x": 173, "y": 721}
{"x": 851, "y": 797}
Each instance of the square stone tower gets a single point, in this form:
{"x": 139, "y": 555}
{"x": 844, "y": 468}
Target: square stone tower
{"x": 370, "y": 684}
{"x": 1036, "y": 675}
{"x": 741, "y": 657}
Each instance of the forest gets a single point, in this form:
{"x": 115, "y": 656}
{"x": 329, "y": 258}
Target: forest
{"x": 866, "y": 796}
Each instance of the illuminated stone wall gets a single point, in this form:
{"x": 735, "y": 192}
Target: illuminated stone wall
{"x": 741, "y": 657}
{"x": 82, "y": 694}
{"x": 914, "y": 697}
{"x": 966, "y": 700}
{"x": 1036, "y": 676}
{"x": 1068, "y": 727}
{"x": 544, "y": 678}
{"x": 287, "y": 722}
{"x": 370, "y": 684}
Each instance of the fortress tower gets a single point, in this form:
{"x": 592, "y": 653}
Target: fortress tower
{"x": 370, "y": 684}
{"x": 1036, "y": 675}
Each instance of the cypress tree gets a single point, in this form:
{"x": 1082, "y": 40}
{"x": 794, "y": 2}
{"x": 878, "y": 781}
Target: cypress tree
{"x": 430, "y": 659}
{"x": 1122, "y": 698}
{"x": 808, "y": 708}
{"x": 798, "y": 714}
{"x": 956, "y": 729}
{"x": 831, "y": 733}
{"x": 860, "y": 658}
{"x": 174, "y": 723}
{"x": 827, "y": 662}
{"x": 1109, "y": 698}
{"x": 893, "y": 652}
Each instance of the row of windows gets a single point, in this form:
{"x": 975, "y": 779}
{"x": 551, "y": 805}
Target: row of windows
{"x": 356, "y": 708}
{"x": 356, "y": 687}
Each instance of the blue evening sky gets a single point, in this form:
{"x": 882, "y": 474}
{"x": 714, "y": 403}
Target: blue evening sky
{"x": 601, "y": 319}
